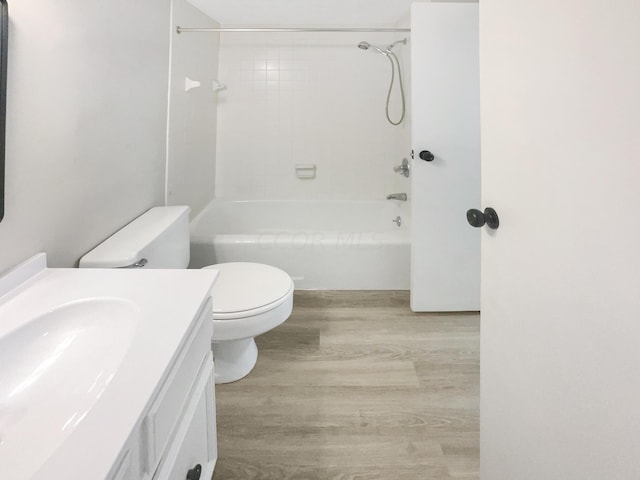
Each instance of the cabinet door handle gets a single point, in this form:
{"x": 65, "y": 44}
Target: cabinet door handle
{"x": 194, "y": 473}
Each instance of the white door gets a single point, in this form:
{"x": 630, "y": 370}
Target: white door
{"x": 560, "y": 349}
{"x": 445, "y": 250}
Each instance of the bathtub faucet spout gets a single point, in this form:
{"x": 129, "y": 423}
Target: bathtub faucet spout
{"x": 397, "y": 196}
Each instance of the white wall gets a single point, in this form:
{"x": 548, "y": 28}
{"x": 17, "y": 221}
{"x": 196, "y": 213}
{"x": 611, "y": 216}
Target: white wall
{"x": 350, "y": 13}
{"x": 193, "y": 114}
{"x": 86, "y": 123}
{"x": 306, "y": 12}
{"x": 306, "y": 98}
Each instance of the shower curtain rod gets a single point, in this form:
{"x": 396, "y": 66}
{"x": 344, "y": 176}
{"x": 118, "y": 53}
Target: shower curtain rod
{"x": 290, "y": 30}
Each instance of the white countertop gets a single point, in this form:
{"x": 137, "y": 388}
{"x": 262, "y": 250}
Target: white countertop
{"x": 159, "y": 308}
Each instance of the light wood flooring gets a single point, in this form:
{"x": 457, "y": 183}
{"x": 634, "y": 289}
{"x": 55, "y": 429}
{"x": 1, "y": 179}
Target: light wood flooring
{"x": 354, "y": 386}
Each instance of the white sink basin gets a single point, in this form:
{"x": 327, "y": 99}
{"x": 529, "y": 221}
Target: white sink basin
{"x": 82, "y": 352}
{"x": 66, "y": 356}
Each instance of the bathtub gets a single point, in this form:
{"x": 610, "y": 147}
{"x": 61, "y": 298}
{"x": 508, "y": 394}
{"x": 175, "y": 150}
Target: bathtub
{"x": 322, "y": 245}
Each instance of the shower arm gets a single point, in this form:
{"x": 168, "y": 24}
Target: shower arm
{"x": 403, "y": 41}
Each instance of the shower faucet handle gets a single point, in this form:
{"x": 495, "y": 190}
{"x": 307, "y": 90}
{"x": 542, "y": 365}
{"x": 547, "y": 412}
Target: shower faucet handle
{"x": 403, "y": 169}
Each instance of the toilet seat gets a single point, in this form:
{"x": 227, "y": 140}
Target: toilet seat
{"x": 249, "y": 299}
{"x": 246, "y": 289}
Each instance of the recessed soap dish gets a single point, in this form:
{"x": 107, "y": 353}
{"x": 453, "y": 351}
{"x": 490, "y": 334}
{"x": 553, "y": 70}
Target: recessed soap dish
{"x": 305, "y": 170}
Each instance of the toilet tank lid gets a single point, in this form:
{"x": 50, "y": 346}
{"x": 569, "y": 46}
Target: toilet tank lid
{"x": 125, "y": 246}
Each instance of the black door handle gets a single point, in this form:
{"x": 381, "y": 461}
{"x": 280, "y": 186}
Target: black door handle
{"x": 477, "y": 219}
{"x": 426, "y": 155}
{"x": 194, "y": 473}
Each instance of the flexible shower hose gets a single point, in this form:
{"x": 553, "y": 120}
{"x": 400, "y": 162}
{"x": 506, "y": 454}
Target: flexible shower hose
{"x": 393, "y": 77}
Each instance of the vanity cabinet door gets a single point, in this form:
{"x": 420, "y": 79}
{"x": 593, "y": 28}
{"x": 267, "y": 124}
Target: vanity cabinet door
{"x": 194, "y": 448}
{"x": 177, "y": 392}
{"x": 128, "y": 466}
{"x": 125, "y": 470}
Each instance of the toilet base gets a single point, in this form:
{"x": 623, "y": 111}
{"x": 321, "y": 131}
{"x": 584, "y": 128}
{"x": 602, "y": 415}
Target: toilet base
{"x": 233, "y": 359}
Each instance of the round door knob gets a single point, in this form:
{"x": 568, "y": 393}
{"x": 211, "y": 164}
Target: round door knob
{"x": 475, "y": 218}
{"x": 194, "y": 473}
{"x": 491, "y": 217}
{"x": 427, "y": 156}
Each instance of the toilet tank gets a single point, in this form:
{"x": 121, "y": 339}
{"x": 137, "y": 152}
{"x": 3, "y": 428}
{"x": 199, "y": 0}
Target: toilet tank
{"x": 160, "y": 235}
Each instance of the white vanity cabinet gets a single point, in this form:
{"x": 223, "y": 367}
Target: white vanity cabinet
{"x": 127, "y": 392}
{"x": 175, "y": 438}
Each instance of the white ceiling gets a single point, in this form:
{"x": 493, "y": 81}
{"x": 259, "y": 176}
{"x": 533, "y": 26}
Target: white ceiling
{"x": 305, "y": 12}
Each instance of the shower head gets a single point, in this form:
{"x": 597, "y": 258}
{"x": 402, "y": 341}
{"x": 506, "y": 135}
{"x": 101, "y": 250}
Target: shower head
{"x": 367, "y": 46}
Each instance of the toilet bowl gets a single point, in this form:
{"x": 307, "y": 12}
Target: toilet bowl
{"x": 249, "y": 299}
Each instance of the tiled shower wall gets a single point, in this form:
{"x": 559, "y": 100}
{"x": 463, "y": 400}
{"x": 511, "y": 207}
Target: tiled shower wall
{"x": 307, "y": 99}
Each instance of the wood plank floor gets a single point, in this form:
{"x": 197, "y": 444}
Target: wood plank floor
{"x": 354, "y": 386}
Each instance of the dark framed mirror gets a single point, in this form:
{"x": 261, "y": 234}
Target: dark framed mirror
{"x": 4, "y": 37}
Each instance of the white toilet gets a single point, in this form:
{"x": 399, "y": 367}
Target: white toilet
{"x": 249, "y": 299}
